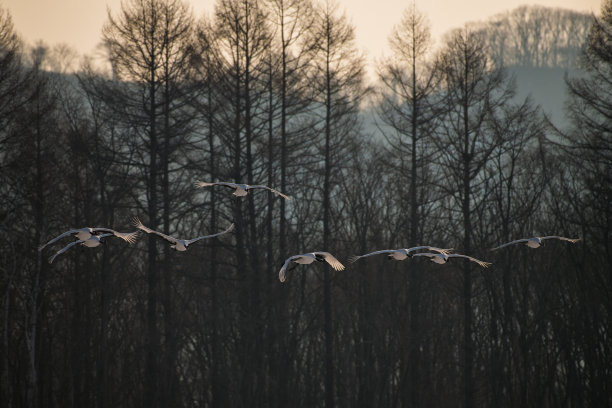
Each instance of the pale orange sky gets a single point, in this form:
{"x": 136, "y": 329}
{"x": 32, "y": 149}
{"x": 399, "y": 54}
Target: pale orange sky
{"x": 78, "y": 23}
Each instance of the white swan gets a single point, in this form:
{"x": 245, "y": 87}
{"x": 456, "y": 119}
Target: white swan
{"x": 178, "y": 244}
{"x": 309, "y": 258}
{"x": 402, "y": 253}
{"x": 443, "y": 258}
{"x": 241, "y": 190}
{"x": 535, "y": 242}
{"x": 91, "y": 242}
{"x": 83, "y": 234}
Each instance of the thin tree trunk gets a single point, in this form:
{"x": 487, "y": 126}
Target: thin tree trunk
{"x": 327, "y": 306}
{"x": 468, "y": 356}
{"x": 151, "y": 392}
{"x": 217, "y": 391}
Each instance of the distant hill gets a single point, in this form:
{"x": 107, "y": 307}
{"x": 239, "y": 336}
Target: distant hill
{"x": 538, "y": 46}
{"x": 535, "y": 36}
{"x": 546, "y": 86}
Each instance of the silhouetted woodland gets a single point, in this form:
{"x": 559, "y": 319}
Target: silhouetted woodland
{"x": 273, "y": 92}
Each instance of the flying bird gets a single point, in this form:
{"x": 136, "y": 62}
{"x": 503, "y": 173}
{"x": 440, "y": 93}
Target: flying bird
{"x": 535, "y": 242}
{"x": 178, "y": 244}
{"x": 402, "y": 253}
{"x": 443, "y": 258}
{"x": 91, "y": 242}
{"x": 83, "y": 234}
{"x": 240, "y": 190}
{"x": 309, "y": 258}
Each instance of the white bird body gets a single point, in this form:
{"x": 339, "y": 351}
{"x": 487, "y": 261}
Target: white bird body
{"x": 309, "y": 258}
{"x": 178, "y": 244}
{"x": 240, "y": 190}
{"x": 401, "y": 253}
{"x": 535, "y": 242}
{"x": 91, "y": 242}
{"x": 441, "y": 258}
{"x": 83, "y": 234}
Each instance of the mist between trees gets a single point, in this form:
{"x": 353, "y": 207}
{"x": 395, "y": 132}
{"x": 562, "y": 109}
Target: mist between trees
{"x": 272, "y": 92}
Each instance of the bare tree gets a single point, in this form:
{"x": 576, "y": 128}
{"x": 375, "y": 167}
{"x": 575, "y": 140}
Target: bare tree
{"x": 338, "y": 80}
{"x": 474, "y": 89}
{"x": 210, "y": 104}
{"x": 515, "y": 186}
{"x": 581, "y": 203}
{"x": 244, "y": 38}
{"x": 147, "y": 49}
{"x": 14, "y": 78}
{"x": 290, "y": 99}
{"x": 406, "y": 109}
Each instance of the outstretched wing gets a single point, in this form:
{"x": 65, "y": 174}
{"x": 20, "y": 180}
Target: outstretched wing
{"x": 510, "y": 243}
{"x": 430, "y": 248}
{"x": 219, "y": 183}
{"x": 64, "y": 249}
{"x": 138, "y": 224}
{"x": 65, "y": 234}
{"x": 330, "y": 259}
{"x": 572, "y": 240}
{"x": 270, "y": 189}
{"x": 383, "y": 251}
{"x": 282, "y": 274}
{"x": 478, "y": 261}
{"x": 229, "y": 229}
{"x": 129, "y": 237}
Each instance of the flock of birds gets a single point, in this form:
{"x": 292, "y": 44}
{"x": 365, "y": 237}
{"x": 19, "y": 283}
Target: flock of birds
{"x": 92, "y": 237}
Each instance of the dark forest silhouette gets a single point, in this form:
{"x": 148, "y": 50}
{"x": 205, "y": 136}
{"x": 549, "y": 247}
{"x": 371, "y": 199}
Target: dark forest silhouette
{"x": 273, "y": 93}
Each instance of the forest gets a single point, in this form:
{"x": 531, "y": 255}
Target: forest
{"x": 274, "y": 92}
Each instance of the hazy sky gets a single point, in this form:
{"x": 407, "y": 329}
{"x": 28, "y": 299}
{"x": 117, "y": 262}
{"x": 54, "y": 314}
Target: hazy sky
{"x": 78, "y": 23}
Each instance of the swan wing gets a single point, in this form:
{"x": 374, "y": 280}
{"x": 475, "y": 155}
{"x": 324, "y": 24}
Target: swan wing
{"x": 191, "y": 241}
{"x": 138, "y": 224}
{"x": 330, "y": 259}
{"x": 572, "y": 240}
{"x": 478, "y": 261}
{"x": 282, "y": 274}
{"x": 129, "y": 237}
{"x": 64, "y": 249}
{"x": 382, "y": 251}
{"x": 517, "y": 241}
{"x": 65, "y": 234}
{"x": 218, "y": 183}
{"x": 286, "y": 197}
{"x": 430, "y": 248}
